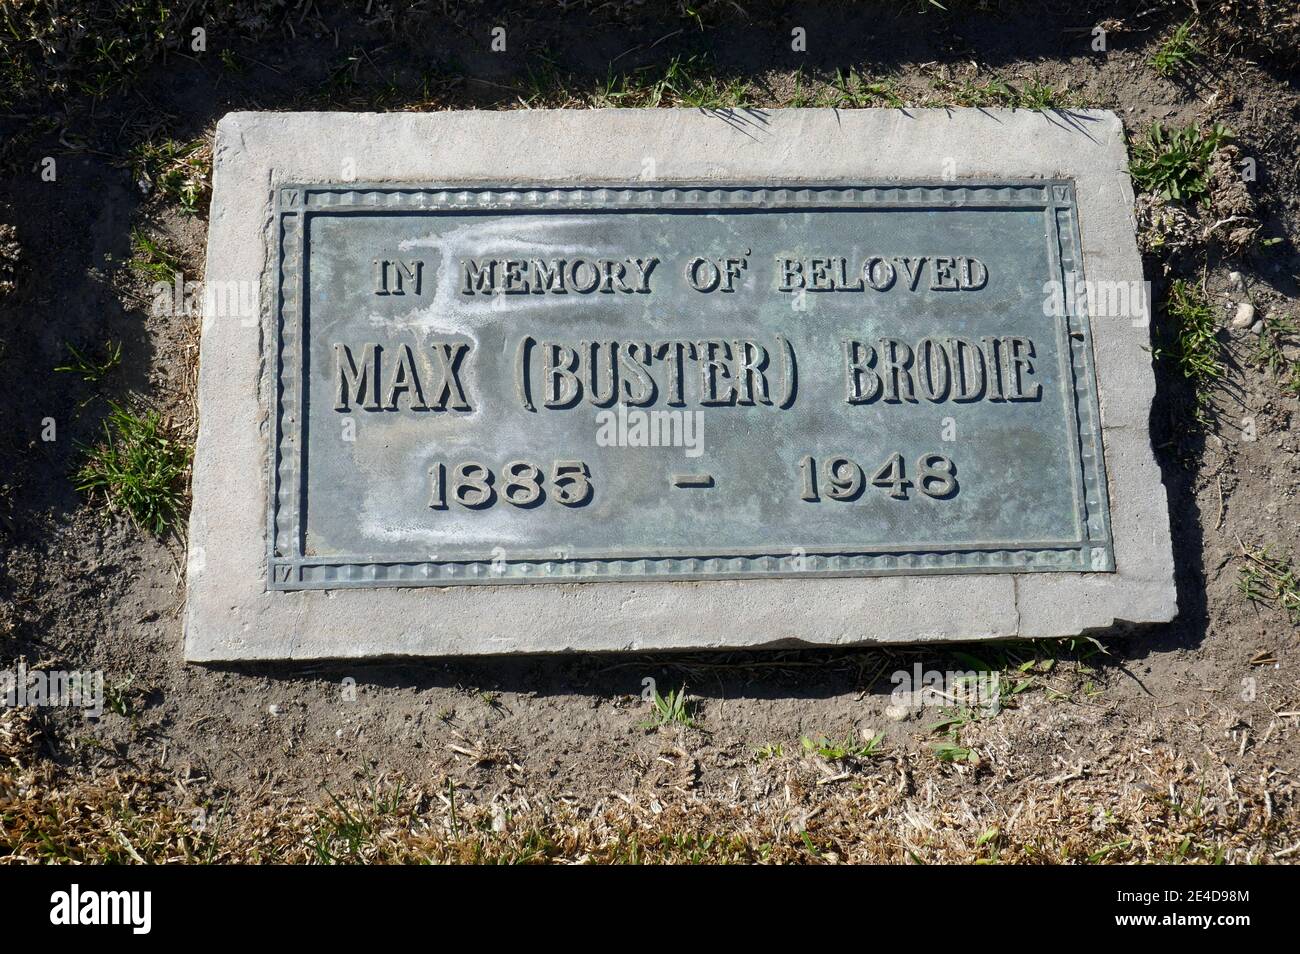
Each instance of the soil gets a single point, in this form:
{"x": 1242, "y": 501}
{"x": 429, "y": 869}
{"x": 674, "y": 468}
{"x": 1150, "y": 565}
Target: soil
{"x": 81, "y": 587}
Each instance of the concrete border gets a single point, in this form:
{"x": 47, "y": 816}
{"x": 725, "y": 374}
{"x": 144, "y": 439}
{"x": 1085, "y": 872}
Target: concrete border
{"x": 231, "y": 615}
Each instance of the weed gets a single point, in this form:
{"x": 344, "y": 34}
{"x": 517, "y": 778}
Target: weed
{"x": 230, "y": 60}
{"x": 952, "y": 723}
{"x": 1175, "y": 163}
{"x": 1271, "y": 581}
{"x": 140, "y": 467}
{"x": 1176, "y": 53}
{"x": 986, "y": 687}
{"x": 180, "y": 171}
{"x": 1270, "y": 353}
{"x": 671, "y": 709}
{"x": 212, "y": 828}
{"x": 493, "y": 701}
{"x": 694, "y": 15}
{"x": 846, "y": 749}
{"x": 990, "y": 839}
{"x": 152, "y": 258}
{"x": 118, "y": 697}
{"x": 1190, "y": 333}
{"x": 810, "y": 844}
{"x": 851, "y": 91}
{"x": 1098, "y": 855}
{"x": 952, "y": 752}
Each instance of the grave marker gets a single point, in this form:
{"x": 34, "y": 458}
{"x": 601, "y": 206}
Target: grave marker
{"x": 502, "y": 394}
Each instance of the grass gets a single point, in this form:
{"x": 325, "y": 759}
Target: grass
{"x": 850, "y": 90}
{"x": 1270, "y": 581}
{"x": 493, "y": 702}
{"x": 1175, "y": 163}
{"x": 92, "y": 369}
{"x": 151, "y": 258}
{"x": 181, "y": 172}
{"x": 803, "y": 95}
{"x": 139, "y": 467}
{"x": 140, "y": 814}
{"x": 998, "y": 92}
{"x": 345, "y": 835}
{"x": 690, "y": 81}
{"x": 543, "y": 83}
{"x": 52, "y": 48}
{"x": 684, "y": 81}
{"x": 1192, "y": 347}
{"x": 1035, "y": 95}
{"x": 1177, "y": 53}
{"x": 673, "y": 709}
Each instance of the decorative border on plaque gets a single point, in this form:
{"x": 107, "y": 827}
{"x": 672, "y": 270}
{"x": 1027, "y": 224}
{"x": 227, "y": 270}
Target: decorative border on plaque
{"x": 289, "y": 569}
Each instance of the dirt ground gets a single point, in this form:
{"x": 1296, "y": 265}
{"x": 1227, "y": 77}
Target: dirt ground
{"x": 1167, "y": 743}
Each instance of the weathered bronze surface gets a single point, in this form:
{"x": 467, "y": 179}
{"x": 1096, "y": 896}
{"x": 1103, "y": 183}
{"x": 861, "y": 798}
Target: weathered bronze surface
{"x": 518, "y": 384}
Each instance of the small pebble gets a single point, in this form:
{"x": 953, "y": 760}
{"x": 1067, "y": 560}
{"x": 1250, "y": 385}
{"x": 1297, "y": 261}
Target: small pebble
{"x": 1245, "y": 316}
{"x": 1257, "y": 327}
{"x": 1236, "y": 280}
{"x": 897, "y": 713}
{"x": 273, "y": 709}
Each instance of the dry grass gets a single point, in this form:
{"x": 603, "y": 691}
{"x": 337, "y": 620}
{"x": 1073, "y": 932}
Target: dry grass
{"x": 1125, "y": 805}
